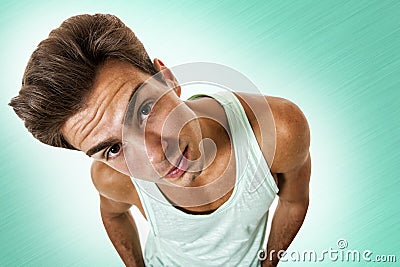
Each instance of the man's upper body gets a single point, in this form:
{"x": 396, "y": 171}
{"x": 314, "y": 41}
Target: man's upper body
{"x": 169, "y": 150}
{"x": 290, "y": 164}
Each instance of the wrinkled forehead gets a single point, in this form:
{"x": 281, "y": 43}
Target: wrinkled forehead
{"x": 102, "y": 114}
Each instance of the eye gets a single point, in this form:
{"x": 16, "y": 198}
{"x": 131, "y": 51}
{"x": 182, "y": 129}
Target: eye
{"x": 113, "y": 151}
{"x": 144, "y": 111}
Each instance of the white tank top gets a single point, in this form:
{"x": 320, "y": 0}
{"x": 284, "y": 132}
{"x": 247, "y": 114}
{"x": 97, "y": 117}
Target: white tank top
{"x": 233, "y": 234}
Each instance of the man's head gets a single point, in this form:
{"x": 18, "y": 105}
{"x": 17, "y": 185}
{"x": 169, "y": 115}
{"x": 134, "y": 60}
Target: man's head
{"x": 61, "y": 71}
{"x": 130, "y": 115}
{"x": 82, "y": 80}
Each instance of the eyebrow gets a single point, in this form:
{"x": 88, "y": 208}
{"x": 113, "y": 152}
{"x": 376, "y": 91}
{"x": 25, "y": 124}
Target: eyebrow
{"x": 111, "y": 141}
{"x": 132, "y": 103}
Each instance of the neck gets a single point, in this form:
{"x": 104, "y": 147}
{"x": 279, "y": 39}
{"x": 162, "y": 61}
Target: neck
{"x": 219, "y": 177}
{"x": 212, "y": 120}
{"x": 214, "y": 126}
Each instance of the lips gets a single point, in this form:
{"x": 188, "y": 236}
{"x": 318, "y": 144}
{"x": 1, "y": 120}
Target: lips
{"x": 180, "y": 167}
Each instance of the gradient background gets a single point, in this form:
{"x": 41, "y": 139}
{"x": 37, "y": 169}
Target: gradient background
{"x": 338, "y": 60}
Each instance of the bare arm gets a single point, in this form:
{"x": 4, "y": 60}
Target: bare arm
{"x": 117, "y": 194}
{"x": 292, "y": 166}
{"x": 122, "y": 231}
{"x": 290, "y": 212}
{"x": 290, "y": 163}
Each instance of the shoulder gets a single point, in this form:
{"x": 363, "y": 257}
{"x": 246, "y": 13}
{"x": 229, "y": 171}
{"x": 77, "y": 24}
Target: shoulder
{"x": 285, "y": 138}
{"x": 292, "y": 135}
{"x": 113, "y": 184}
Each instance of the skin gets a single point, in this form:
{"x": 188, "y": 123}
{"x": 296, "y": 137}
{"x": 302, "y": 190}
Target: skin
{"x": 102, "y": 118}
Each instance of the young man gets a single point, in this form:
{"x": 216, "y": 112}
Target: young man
{"x": 88, "y": 87}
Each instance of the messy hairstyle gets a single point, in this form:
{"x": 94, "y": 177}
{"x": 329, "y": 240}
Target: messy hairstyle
{"x": 61, "y": 71}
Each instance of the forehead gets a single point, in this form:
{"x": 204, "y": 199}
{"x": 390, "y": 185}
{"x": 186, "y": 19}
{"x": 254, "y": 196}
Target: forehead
{"x": 113, "y": 79}
{"x": 103, "y": 112}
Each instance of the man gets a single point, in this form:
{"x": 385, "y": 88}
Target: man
{"x": 88, "y": 87}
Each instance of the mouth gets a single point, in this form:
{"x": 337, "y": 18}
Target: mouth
{"x": 180, "y": 167}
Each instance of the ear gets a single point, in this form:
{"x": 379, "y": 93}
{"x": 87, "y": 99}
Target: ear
{"x": 168, "y": 76}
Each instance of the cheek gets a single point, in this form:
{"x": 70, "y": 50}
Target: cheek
{"x": 119, "y": 165}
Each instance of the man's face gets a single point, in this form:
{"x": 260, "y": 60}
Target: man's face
{"x": 159, "y": 134}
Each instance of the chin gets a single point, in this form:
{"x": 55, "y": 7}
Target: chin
{"x": 191, "y": 180}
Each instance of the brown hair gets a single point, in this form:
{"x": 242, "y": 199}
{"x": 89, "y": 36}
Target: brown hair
{"x": 61, "y": 71}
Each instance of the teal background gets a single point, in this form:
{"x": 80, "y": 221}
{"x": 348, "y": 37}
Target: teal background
{"x": 338, "y": 60}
